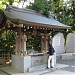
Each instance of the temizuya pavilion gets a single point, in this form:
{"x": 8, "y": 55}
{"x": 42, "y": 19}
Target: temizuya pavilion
{"x": 28, "y": 22}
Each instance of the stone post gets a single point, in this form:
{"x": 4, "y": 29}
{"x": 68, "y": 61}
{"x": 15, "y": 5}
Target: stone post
{"x": 42, "y": 43}
{"x": 21, "y": 44}
{"x": 24, "y": 44}
{"x": 46, "y": 42}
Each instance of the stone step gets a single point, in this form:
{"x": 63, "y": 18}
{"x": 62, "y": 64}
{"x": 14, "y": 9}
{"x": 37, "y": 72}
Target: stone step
{"x": 66, "y": 56}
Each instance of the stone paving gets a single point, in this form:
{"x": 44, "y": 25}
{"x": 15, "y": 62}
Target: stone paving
{"x": 63, "y": 67}
{"x": 3, "y": 73}
{"x": 67, "y": 70}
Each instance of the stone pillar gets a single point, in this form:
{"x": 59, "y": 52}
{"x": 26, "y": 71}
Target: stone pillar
{"x": 24, "y": 44}
{"x": 44, "y": 43}
{"x": 21, "y": 44}
{"x": 18, "y": 44}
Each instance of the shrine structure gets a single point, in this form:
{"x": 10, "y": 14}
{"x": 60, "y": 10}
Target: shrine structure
{"x": 27, "y": 22}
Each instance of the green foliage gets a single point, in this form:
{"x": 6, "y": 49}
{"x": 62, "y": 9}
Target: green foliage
{"x": 37, "y": 43}
{"x": 34, "y": 42}
{"x": 41, "y": 6}
{"x": 7, "y": 41}
{"x": 8, "y": 2}
{"x": 66, "y": 13}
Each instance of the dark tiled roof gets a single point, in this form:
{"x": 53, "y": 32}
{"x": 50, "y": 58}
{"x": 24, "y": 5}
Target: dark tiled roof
{"x": 31, "y": 16}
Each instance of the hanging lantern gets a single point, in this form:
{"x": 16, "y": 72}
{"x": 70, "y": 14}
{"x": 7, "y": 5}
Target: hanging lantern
{"x": 34, "y": 27}
{"x": 42, "y": 36}
{"x": 67, "y": 30}
{"x": 37, "y": 27}
{"x": 31, "y": 27}
{"x": 24, "y": 26}
{"x": 28, "y": 27}
{"x": 40, "y": 28}
{"x": 46, "y": 28}
{"x": 8, "y": 25}
{"x": 43, "y": 28}
{"x": 24, "y": 29}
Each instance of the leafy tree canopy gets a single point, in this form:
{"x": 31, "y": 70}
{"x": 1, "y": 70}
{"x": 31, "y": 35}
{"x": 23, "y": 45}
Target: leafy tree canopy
{"x": 63, "y": 10}
{"x": 41, "y": 6}
{"x": 9, "y": 2}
